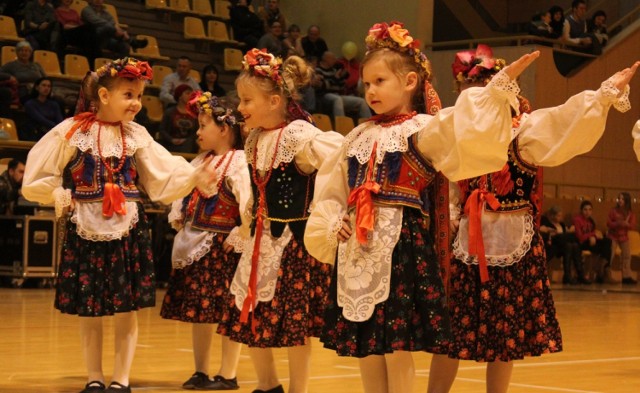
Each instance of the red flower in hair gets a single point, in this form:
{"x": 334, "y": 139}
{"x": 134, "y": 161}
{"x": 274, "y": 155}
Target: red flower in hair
{"x": 263, "y": 63}
{"x": 476, "y": 65}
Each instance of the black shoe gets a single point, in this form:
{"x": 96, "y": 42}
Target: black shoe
{"x": 117, "y": 387}
{"x": 197, "y": 379}
{"x": 629, "y": 280}
{"x": 219, "y": 383}
{"x": 93, "y": 387}
{"x": 277, "y": 389}
{"x": 136, "y": 43}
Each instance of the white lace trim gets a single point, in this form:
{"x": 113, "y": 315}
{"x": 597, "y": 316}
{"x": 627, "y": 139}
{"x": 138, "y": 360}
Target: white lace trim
{"x": 110, "y": 141}
{"x": 622, "y": 103}
{"x": 507, "y": 88}
{"x": 236, "y": 240}
{"x": 88, "y": 234}
{"x": 294, "y": 138}
{"x": 507, "y": 238}
{"x": 271, "y": 250}
{"x": 190, "y": 245}
{"x": 332, "y": 234}
{"x": 62, "y": 198}
{"x": 359, "y": 142}
{"x": 364, "y": 271}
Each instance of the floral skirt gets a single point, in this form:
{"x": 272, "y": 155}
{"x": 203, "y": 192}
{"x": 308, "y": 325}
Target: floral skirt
{"x": 507, "y": 318}
{"x": 199, "y": 293}
{"x": 296, "y": 310}
{"x": 98, "y": 278}
{"x": 413, "y": 318}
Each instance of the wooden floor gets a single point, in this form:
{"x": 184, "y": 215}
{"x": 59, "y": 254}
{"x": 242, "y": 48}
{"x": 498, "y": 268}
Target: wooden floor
{"x": 39, "y": 350}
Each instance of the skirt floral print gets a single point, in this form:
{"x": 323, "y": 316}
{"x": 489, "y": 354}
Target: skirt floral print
{"x": 199, "y": 292}
{"x": 106, "y": 277}
{"x": 507, "y": 318}
{"x": 413, "y": 318}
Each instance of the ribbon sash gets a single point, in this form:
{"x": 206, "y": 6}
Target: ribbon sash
{"x": 473, "y": 208}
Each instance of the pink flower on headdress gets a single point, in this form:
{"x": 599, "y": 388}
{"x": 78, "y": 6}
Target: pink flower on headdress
{"x": 263, "y": 63}
{"x": 472, "y": 64}
{"x": 399, "y": 34}
{"x": 379, "y": 31}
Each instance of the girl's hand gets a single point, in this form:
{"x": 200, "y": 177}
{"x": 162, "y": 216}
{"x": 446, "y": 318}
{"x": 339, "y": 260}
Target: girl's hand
{"x": 454, "y": 225}
{"x": 622, "y": 78}
{"x": 345, "y": 232}
{"x": 226, "y": 247}
{"x": 516, "y": 68}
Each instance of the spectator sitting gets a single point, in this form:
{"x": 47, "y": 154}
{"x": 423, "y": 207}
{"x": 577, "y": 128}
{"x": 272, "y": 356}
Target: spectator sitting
{"x": 10, "y": 184}
{"x": 178, "y": 128}
{"x": 598, "y": 27}
{"x": 40, "y": 25}
{"x": 591, "y": 239}
{"x": 210, "y": 81}
{"x": 557, "y": 20}
{"x": 8, "y": 93}
{"x": 561, "y": 241}
{"x": 330, "y": 88}
{"x": 247, "y": 26}
{"x": 314, "y": 46}
{"x": 540, "y": 25}
{"x": 272, "y": 40}
{"x": 271, "y": 13}
{"x": 108, "y": 34}
{"x": 293, "y": 42}
{"x": 23, "y": 69}
{"x": 175, "y": 79}
{"x": 574, "y": 31}
{"x": 622, "y": 219}
{"x": 74, "y": 31}
{"x": 352, "y": 65}
{"x": 43, "y": 112}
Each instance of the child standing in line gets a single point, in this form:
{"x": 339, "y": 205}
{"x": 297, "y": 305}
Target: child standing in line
{"x": 92, "y": 166}
{"x": 279, "y": 290}
{"x": 207, "y": 246}
{"x": 376, "y": 203}
{"x": 620, "y": 220}
{"x": 500, "y": 302}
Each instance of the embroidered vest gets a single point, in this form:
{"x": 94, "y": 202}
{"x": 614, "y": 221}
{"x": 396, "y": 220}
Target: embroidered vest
{"x": 404, "y": 178}
{"x": 513, "y": 186}
{"x": 88, "y": 176}
{"x": 220, "y": 213}
{"x": 289, "y": 193}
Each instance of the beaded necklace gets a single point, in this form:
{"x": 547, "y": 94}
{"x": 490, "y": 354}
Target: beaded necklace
{"x": 392, "y": 120}
{"x": 113, "y": 200}
{"x": 197, "y": 194}
{"x": 112, "y": 171}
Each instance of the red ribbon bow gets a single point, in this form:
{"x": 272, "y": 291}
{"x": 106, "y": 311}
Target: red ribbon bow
{"x": 361, "y": 196}
{"x": 473, "y": 208}
{"x": 114, "y": 201}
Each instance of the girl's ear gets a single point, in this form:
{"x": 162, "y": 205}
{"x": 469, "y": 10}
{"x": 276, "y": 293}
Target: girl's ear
{"x": 411, "y": 81}
{"x": 103, "y": 95}
{"x": 274, "y": 101}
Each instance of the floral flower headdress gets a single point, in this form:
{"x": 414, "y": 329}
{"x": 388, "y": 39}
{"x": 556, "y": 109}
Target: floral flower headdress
{"x": 263, "y": 64}
{"x": 395, "y": 36}
{"x": 473, "y": 66}
{"x": 127, "y": 67}
{"x": 206, "y": 102}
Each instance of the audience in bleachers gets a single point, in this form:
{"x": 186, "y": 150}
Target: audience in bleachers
{"x": 293, "y": 41}
{"x": 210, "y": 81}
{"x": 107, "y": 32}
{"x": 270, "y": 13}
{"x": 8, "y": 93}
{"x": 541, "y": 25}
{"x": 43, "y": 112}
{"x": 175, "y": 79}
{"x": 621, "y": 219}
{"x": 561, "y": 242}
{"x": 351, "y": 63}
{"x": 10, "y": 184}
{"x": 272, "y": 40}
{"x": 74, "y": 32}
{"x": 40, "y": 25}
{"x": 24, "y": 69}
{"x": 330, "y": 89}
{"x": 592, "y": 240}
{"x": 597, "y": 26}
{"x": 574, "y": 30}
{"x": 557, "y": 20}
{"x": 178, "y": 127}
{"x": 314, "y": 46}
{"x": 247, "y": 26}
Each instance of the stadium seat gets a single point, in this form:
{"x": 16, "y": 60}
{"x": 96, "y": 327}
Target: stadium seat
{"x": 322, "y": 121}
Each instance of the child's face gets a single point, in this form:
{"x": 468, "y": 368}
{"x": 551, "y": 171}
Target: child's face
{"x": 587, "y": 211}
{"x": 122, "y": 102}
{"x": 385, "y": 92}
{"x": 209, "y": 133}
{"x": 255, "y": 106}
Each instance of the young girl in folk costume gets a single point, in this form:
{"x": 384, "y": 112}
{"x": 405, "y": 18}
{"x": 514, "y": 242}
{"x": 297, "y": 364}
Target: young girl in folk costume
{"x": 104, "y": 158}
{"x": 375, "y": 201}
{"x": 500, "y": 303}
{"x": 280, "y": 290}
{"x": 620, "y": 220}
{"x": 207, "y": 246}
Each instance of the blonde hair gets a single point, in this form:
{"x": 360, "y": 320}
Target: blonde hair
{"x": 296, "y": 74}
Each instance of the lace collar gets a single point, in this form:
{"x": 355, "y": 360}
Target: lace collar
{"x": 111, "y": 143}
{"x": 294, "y": 137}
